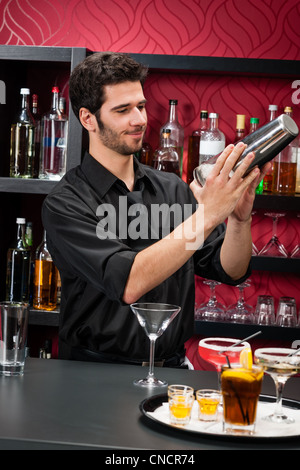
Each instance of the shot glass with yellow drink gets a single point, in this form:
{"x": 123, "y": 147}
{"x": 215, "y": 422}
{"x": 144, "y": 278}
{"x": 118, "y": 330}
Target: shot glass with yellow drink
{"x": 181, "y": 400}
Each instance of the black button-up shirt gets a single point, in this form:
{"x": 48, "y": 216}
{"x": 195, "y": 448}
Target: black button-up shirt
{"x": 94, "y": 254}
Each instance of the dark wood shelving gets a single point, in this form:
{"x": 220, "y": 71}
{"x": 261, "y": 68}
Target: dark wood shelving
{"x": 22, "y": 185}
{"x": 277, "y": 202}
{"x": 274, "y": 67}
{"x": 69, "y": 58}
{"x": 268, "y": 263}
{"x": 239, "y": 330}
{"x": 43, "y": 317}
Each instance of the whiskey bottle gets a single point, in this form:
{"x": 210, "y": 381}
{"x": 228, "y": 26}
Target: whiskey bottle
{"x": 285, "y": 166}
{"x": 45, "y": 279}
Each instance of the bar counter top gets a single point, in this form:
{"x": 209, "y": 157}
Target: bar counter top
{"x": 80, "y": 405}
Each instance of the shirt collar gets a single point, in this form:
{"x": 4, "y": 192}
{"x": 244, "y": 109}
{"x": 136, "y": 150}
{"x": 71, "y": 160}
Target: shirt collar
{"x": 102, "y": 179}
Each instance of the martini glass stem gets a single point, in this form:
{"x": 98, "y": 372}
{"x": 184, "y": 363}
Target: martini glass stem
{"x": 274, "y": 227}
{"x": 151, "y": 360}
{"x": 279, "y": 384}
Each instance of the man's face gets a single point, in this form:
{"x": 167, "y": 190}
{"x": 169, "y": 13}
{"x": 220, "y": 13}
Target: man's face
{"x": 123, "y": 117}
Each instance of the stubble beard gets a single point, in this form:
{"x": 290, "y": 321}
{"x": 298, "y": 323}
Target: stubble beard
{"x": 111, "y": 140}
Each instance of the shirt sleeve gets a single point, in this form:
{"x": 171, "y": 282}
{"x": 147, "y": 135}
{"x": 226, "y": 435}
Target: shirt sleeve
{"x": 74, "y": 245}
{"x": 207, "y": 259}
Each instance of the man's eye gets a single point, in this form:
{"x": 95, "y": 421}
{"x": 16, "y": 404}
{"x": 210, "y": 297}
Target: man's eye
{"x": 120, "y": 111}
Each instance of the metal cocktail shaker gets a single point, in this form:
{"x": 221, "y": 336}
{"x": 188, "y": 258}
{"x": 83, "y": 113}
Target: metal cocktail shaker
{"x": 266, "y": 142}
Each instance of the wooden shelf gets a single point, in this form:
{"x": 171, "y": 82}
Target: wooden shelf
{"x": 43, "y": 317}
{"x": 239, "y": 330}
{"x": 22, "y": 185}
{"x": 277, "y": 203}
{"x": 223, "y": 65}
{"x": 269, "y": 263}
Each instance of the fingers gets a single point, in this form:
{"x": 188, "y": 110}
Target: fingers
{"x": 228, "y": 159}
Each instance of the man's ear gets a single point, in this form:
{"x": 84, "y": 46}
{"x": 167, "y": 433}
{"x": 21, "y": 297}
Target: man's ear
{"x": 87, "y": 119}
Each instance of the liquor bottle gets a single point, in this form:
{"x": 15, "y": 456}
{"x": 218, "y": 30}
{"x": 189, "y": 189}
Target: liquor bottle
{"x": 37, "y": 134}
{"x": 297, "y": 187}
{"x": 177, "y": 131}
{"x": 22, "y": 150}
{"x": 29, "y": 243}
{"x": 146, "y": 154}
{"x": 165, "y": 157}
{"x": 268, "y": 179}
{"x": 253, "y": 127}
{"x": 18, "y": 267}
{"x": 194, "y": 146}
{"x": 253, "y": 124}
{"x": 212, "y": 141}
{"x": 45, "y": 279}
{"x": 285, "y": 166}
{"x": 240, "y": 127}
{"x": 54, "y": 134}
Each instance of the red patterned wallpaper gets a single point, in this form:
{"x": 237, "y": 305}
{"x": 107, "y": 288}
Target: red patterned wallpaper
{"x": 266, "y": 29}
{"x": 231, "y": 28}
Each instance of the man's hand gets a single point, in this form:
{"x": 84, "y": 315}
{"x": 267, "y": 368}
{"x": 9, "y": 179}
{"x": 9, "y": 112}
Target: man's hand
{"x": 223, "y": 195}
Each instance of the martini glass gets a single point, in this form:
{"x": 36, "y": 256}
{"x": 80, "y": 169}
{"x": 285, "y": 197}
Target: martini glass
{"x": 154, "y": 318}
{"x": 215, "y": 350}
{"x": 280, "y": 364}
{"x": 212, "y": 310}
{"x": 274, "y": 247}
{"x": 241, "y": 312}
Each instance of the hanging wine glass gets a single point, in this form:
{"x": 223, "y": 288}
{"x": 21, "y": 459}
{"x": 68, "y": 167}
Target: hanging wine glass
{"x": 212, "y": 310}
{"x": 274, "y": 247}
{"x": 296, "y": 250}
{"x": 241, "y": 312}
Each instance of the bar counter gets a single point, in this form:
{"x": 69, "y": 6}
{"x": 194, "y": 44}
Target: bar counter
{"x": 79, "y": 405}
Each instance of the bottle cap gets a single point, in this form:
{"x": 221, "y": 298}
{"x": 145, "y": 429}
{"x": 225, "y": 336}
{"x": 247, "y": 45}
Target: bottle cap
{"x": 55, "y": 89}
{"x": 25, "y": 91}
{"x": 240, "y": 121}
{"x": 273, "y": 107}
{"x": 288, "y": 109}
{"x": 254, "y": 120}
{"x": 203, "y": 113}
{"x": 213, "y": 115}
{"x": 21, "y": 220}
{"x": 173, "y": 101}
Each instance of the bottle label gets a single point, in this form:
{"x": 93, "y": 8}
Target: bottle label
{"x": 211, "y": 147}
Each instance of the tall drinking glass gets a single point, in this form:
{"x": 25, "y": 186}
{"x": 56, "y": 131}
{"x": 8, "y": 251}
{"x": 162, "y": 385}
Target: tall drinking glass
{"x": 154, "y": 318}
{"x": 215, "y": 350}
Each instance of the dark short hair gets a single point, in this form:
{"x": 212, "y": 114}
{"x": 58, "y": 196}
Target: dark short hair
{"x": 97, "y": 70}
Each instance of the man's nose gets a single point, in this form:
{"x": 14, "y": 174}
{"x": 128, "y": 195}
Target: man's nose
{"x": 138, "y": 117}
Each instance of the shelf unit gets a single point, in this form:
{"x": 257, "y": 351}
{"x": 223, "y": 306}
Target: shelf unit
{"x": 25, "y": 56}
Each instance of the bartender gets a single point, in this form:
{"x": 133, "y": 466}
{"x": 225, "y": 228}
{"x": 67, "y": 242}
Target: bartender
{"x": 121, "y": 232}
